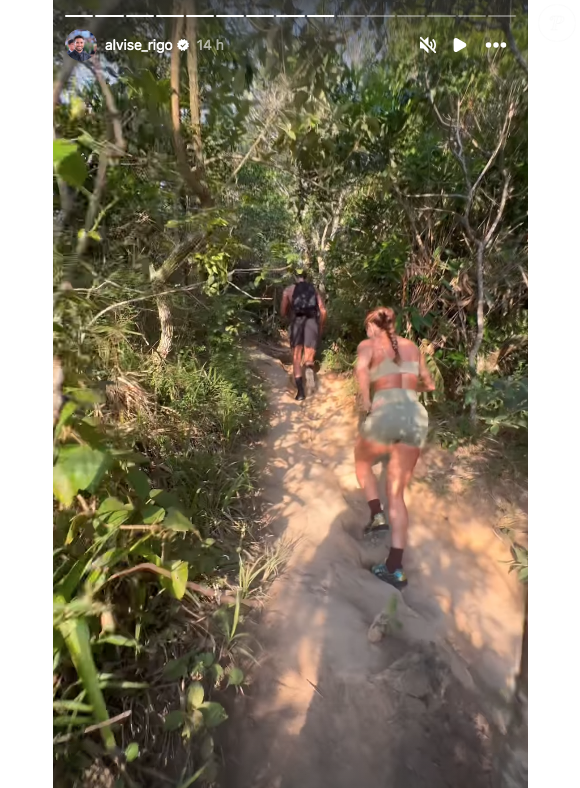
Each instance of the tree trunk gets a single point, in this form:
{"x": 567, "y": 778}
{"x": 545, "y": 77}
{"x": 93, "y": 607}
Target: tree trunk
{"x": 188, "y": 176}
{"x": 194, "y": 101}
{"x": 511, "y": 762}
{"x": 166, "y": 322}
{"x": 474, "y": 352}
{"x": 159, "y": 278}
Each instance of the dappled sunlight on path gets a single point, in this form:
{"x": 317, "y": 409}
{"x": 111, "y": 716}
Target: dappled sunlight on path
{"x": 328, "y": 707}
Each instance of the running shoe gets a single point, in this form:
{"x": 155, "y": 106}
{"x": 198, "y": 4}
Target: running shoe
{"x": 378, "y": 524}
{"x": 398, "y": 578}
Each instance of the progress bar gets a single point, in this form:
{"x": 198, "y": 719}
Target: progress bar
{"x": 291, "y": 16}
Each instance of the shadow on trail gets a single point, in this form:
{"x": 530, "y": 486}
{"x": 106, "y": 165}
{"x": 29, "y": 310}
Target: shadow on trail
{"x": 328, "y": 707}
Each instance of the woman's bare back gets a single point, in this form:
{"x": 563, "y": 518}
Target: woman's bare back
{"x": 382, "y": 349}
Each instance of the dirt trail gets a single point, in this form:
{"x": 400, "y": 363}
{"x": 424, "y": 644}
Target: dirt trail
{"x": 328, "y": 707}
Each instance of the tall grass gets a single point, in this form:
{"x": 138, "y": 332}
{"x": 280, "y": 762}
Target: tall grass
{"x": 156, "y": 553}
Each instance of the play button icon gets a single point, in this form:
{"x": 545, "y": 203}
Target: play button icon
{"x": 457, "y": 44}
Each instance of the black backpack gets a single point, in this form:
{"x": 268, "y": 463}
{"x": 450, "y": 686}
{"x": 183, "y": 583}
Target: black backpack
{"x": 304, "y": 300}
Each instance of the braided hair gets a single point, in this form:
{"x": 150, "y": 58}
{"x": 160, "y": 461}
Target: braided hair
{"x": 384, "y": 318}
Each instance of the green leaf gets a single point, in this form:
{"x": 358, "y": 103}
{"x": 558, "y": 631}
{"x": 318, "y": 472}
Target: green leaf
{"x": 91, "y": 234}
{"x": 177, "y": 521}
{"x": 178, "y": 582}
{"x": 113, "y": 512}
{"x": 118, "y": 640}
{"x": 71, "y": 705}
{"x": 67, "y": 411}
{"x": 61, "y": 149}
{"x": 139, "y": 481}
{"x": 73, "y": 169}
{"x": 174, "y": 720}
{"x": 217, "y": 672}
{"x": 66, "y": 722}
{"x": 77, "y": 638}
{"x": 78, "y": 468}
{"x": 176, "y": 668}
{"x": 111, "y": 504}
{"x": 195, "y": 695}
{"x": 165, "y": 499}
{"x": 235, "y": 677}
{"x": 132, "y": 752}
{"x": 85, "y": 396}
{"x": 152, "y": 514}
{"x": 196, "y": 719}
{"x": 213, "y": 714}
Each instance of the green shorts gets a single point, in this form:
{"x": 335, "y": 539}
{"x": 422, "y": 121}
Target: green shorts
{"x": 396, "y": 416}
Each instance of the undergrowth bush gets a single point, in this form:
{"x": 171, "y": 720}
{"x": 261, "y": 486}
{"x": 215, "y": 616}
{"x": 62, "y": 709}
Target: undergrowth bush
{"x": 156, "y": 522}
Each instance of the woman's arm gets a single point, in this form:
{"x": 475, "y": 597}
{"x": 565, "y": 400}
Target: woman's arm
{"x": 425, "y": 382}
{"x": 322, "y": 310}
{"x": 363, "y": 373}
{"x": 286, "y": 303}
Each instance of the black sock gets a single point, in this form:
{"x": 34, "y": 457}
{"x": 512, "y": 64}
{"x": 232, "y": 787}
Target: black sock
{"x": 375, "y": 507}
{"x": 299, "y": 386}
{"x": 395, "y": 559}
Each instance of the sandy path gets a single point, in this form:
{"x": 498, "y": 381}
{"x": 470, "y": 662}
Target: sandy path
{"x": 328, "y": 707}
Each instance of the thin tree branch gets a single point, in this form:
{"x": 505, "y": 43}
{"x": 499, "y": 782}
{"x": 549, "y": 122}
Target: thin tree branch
{"x": 94, "y": 202}
{"x": 140, "y": 298}
{"x": 209, "y": 593}
{"x": 113, "y": 113}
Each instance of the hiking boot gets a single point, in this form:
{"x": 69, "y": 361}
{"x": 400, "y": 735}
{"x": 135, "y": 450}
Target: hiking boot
{"x": 310, "y": 382}
{"x": 398, "y": 578}
{"x": 300, "y": 396}
{"x": 377, "y": 525}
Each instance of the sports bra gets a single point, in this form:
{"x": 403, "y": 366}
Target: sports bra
{"x": 388, "y": 367}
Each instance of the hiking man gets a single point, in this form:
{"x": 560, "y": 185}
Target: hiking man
{"x": 308, "y": 315}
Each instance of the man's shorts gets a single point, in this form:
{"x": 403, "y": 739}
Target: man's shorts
{"x": 304, "y": 331}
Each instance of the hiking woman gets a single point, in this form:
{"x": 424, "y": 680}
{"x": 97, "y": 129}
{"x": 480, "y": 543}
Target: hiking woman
{"x": 396, "y": 425}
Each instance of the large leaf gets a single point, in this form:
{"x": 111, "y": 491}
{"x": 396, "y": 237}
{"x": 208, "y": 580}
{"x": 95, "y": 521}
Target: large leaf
{"x": 73, "y": 169}
{"x": 152, "y": 514}
{"x": 235, "y": 677}
{"x": 174, "y": 720}
{"x": 178, "y": 581}
{"x": 78, "y": 468}
{"x": 195, "y": 695}
{"x": 132, "y": 752}
{"x": 176, "y": 668}
{"x": 114, "y": 512}
{"x": 213, "y": 714}
{"x": 61, "y": 149}
{"x": 139, "y": 482}
{"x": 177, "y": 521}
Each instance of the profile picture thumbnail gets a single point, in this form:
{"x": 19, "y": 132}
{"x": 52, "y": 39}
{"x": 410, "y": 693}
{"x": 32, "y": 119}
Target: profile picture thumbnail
{"x": 81, "y": 45}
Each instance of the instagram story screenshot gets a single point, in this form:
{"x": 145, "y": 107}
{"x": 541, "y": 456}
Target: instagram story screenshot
{"x": 290, "y": 393}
